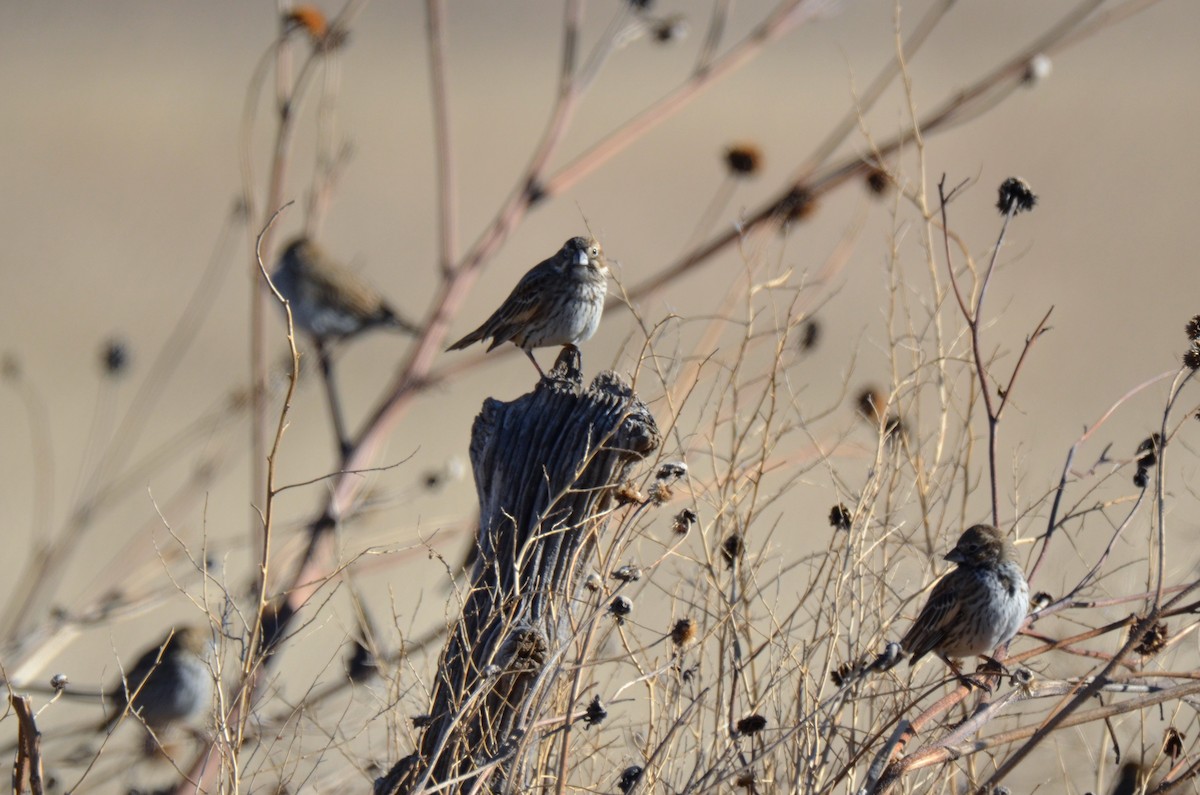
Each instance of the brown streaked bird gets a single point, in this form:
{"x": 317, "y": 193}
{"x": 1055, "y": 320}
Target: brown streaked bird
{"x": 558, "y": 302}
{"x": 331, "y": 303}
{"x": 169, "y": 684}
{"x": 976, "y": 607}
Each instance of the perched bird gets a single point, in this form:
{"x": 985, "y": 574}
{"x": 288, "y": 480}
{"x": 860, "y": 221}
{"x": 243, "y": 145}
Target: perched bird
{"x": 331, "y": 303}
{"x": 170, "y": 683}
{"x": 558, "y": 302}
{"x": 976, "y": 607}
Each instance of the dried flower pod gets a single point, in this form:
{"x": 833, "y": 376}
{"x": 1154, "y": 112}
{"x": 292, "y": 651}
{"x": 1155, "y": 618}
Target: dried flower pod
{"x": 1193, "y": 328}
{"x": 1015, "y": 197}
{"x": 810, "y": 334}
{"x": 308, "y": 18}
{"x": 628, "y": 573}
{"x": 1173, "y": 743}
{"x": 361, "y": 665}
{"x": 1191, "y": 359}
{"x": 751, "y": 724}
{"x": 683, "y": 632}
{"x": 629, "y": 778}
{"x": 620, "y": 607}
{"x": 59, "y": 681}
{"x": 660, "y": 492}
{"x": 670, "y": 28}
{"x": 878, "y": 181}
{"x": 839, "y": 517}
{"x": 733, "y": 549}
{"x": 628, "y": 494}
{"x": 114, "y": 357}
{"x": 683, "y": 521}
{"x": 595, "y": 713}
{"x": 797, "y": 205}
{"x": 1037, "y": 69}
{"x": 671, "y": 470}
{"x": 1153, "y": 641}
{"x": 743, "y": 160}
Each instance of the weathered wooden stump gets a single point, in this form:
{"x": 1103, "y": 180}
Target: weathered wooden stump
{"x": 546, "y": 466}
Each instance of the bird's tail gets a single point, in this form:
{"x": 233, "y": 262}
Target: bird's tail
{"x": 478, "y": 335}
{"x": 401, "y": 324}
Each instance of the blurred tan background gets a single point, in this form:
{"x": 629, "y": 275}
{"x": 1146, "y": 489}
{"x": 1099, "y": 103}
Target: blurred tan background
{"x": 119, "y": 165}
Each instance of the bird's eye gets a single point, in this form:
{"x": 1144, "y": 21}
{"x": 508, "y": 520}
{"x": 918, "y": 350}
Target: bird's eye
{"x": 595, "y": 251}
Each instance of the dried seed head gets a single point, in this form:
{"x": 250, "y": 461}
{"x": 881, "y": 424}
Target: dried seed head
{"x": 684, "y": 632}
{"x": 1037, "y": 69}
{"x": 1015, "y": 196}
{"x": 361, "y": 665}
{"x": 628, "y": 573}
{"x": 1193, "y": 328}
{"x": 308, "y": 18}
{"x": 628, "y": 494}
{"x": 421, "y": 721}
{"x": 1148, "y": 450}
{"x": 797, "y": 205}
{"x": 844, "y": 673}
{"x": 870, "y": 403}
{"x": 629, "y": 778}
{"x": 1191, "y": 359}
{"x": 660, "y": 492}
{"x": 114, "y": 357}
{"x": 1173, "y": 743}
{"x": 751, "y": 724}
{"x": 491, "y": 670}
{"x": 733, "y": 549}
{"x": 683, "y": 521}
{"x": 593, "y": 582}
{"x": 810, "y": 334}
{"x": 878, "y": 181}
{"x": 1040, "y": 600}
{"x": 620, "y": 607}
{"x": 641, "y": 5}
{"x": 1154, "y": 641}
{"x": 59, "y": 681}
{"x": 595, "y": 713}
{"x": 744, "y": 780}
{"x": 839, "y": 517}
{"x": 669, "y": 29}
{"x": 743, "y": 160}
{"x": 671, "y": 470}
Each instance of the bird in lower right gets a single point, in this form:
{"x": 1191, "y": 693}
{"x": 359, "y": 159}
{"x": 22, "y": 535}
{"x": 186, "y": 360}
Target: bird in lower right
{"x": 170, "y": 683}
{"x": 976, "y": 607}
{"x": 558, "y": 302}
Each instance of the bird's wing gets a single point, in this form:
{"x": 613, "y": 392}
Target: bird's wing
{"x": 521, "y": 307}
{"x": 937, "y": 617}
{"x": 347, "y": 291}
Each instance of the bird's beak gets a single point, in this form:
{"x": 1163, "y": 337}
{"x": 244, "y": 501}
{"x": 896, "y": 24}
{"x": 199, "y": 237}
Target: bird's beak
{"x": 581, "y": 258}
{"x": 955, "y": 556}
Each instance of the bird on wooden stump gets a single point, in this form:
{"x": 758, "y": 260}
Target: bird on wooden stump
{"x": 331, "y": 304}
{"x": 558, "y": 302}
{"x": 976, "y": 607}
